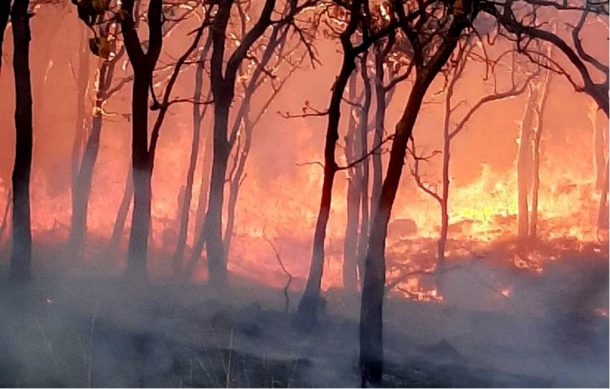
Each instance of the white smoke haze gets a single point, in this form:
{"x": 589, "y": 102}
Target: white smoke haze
{"x": 495, "y": 317}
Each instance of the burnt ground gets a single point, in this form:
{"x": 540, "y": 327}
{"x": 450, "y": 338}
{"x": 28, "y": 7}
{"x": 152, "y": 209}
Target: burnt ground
{"x": 79, "y": 331}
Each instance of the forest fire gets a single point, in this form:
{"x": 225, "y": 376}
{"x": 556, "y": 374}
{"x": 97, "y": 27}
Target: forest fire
{"x": 237, "y": 193}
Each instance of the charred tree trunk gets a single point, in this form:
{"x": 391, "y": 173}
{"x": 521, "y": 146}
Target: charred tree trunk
{"x": 21, "y": 254}
{"x": 141, "y": 159}
{"x": 371, "y": 313}
{"x": 308, "y": 305}
{"x": 217, "y": 263}
{"x": 141, "y": 176}
{"x": 352, "y": 152}
{"x": 5, "y": 10}
{"x": 371, "y": 310}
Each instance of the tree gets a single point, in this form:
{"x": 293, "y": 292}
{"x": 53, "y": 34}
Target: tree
{"x": 524, "y": 24}
{"x": 432, "y": 42}
{"x": 198, "y": 114}
{"x": 143, "y": 65}
{"x": 355, "y": 25}
{"x": 452, "y": 127}
{"x": 223, "y": 81}
{"x": 21, "y": 254}
{"x": 276, "y": 54}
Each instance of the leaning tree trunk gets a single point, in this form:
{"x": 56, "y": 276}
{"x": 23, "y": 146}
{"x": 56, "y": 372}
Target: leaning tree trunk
{"x": 21, "y": 255}
{"x": 308, "y": 305}
{"x": 141, "y": 176}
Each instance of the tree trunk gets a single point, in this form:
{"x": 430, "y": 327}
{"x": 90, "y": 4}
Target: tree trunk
{"x": 352, "y": 152}
{"x": 190, "y": 176}
{"x": 371, "y": 309}
{"x": 5, "y": 11}
{"x": 364, "y": 182}
{"x": 78, "y": 224}
{"x": 141, "y": 176}
{"x": 21, "y": 255}
{"x": 308, "y": 305}
{"x": 602, "y": 219}
{"x": 217, "y": 263}
{"x": 121, "y": 217}
{"x": 442, "y": 240}
{"x": 380, "y": 108}
{"x": 599, "y": 143}
{"x": 533, "y": 232}
{"x": 524, "y": 167}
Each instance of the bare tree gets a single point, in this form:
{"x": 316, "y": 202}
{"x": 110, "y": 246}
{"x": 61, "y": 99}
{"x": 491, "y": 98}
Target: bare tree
{"x": 356, "y": 25}
{"x": 432, "y": 42}
{"x": 530, "y": 22}
{"x": 198, "y": 114}
{"x": 452, "y": 127}
{"x": 223, "y": 81}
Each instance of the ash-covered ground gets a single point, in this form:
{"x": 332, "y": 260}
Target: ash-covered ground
{"x": 79, "y": 330}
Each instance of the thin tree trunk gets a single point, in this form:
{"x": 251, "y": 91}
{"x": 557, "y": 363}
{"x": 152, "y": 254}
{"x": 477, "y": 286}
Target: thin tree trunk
{"x": 190, "y": 176}
{"x": 238, "y": 177}
{"x": 599, "y": 143}
{"x": 121, "y": 217}
{"x": 536, "y": 158}
{"x": 365, "y": 171}
{"x": 21, "y": 255}
{"x": 78, "y": 224}
{"x": 308, "y": 305}
{"x": 602, "y": 218}
{"x": 524, "y": 167}
{"x": 352, "y": 152}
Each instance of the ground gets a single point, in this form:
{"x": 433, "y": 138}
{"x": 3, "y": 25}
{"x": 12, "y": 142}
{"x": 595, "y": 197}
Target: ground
{"x": 67, "y": 330}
